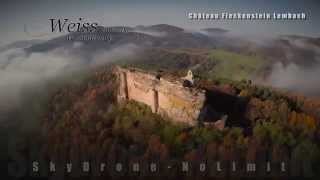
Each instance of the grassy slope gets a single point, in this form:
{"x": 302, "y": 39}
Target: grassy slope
{"x": 234, "y": 66}
{"x": 208, "y": 63}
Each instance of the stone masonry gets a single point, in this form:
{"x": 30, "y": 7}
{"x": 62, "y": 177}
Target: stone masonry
{"x": 163, "y": 96}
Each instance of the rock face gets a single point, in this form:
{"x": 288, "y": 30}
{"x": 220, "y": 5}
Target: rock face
{"x": 164, "y": 96}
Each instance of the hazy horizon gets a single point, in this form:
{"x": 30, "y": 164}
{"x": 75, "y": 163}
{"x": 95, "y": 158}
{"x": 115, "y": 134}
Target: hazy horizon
{"x": 35, "y": 14}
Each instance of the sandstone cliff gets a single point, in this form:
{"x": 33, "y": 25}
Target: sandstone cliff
{"x": 166, "y": 97}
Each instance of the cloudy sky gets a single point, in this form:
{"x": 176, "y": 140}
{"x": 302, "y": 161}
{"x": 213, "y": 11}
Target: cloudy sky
{"x": 35, "y": 14}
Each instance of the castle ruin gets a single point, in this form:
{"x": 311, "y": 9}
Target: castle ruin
{"x": 164, "y": 96}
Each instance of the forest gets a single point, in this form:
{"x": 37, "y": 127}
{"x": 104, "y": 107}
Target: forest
{"x": 266, "y": 125}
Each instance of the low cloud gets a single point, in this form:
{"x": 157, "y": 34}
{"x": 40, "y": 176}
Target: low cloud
{"x": 104, "y": 57}
{"x": 296, "y": 78}
{"x": 22, "y": 74}
{"x": 151, "y": 33}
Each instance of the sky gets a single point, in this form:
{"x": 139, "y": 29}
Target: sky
{"x": 34, "y": 14}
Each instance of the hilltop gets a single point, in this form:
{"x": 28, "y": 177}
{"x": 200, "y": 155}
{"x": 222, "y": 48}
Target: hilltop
{"x": 88, "y": 119}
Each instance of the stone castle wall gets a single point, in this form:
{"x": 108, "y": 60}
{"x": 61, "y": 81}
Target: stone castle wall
{"x": 169, "y": 98}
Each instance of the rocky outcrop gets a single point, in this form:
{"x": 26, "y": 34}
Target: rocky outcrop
{"x": 166, "y": 97}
